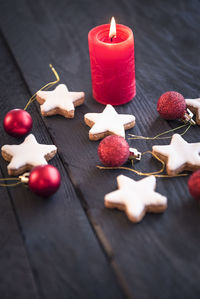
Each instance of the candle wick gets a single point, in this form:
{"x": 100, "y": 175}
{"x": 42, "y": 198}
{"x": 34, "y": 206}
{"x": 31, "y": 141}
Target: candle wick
{"x": 112, "y": 38}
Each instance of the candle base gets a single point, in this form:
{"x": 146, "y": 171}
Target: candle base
{"x": 114, "y": 103}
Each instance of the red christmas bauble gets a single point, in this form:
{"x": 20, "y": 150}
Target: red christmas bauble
{"x": 194, "y": 184}
{"x": 17, "y": 122}
{"x": 113, "y": 151}
{"x": 171, "y": 105}
{"x": 44, "y": 180}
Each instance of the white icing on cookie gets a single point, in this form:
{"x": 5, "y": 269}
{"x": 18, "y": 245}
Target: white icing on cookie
{"x": 109, "y": 120}
{"x": 134, "y": 197}
{"x": 29, "y": 152}
{"x": 60, "y": 97}
{"x": 179, "y": 152}
{"x": 195, "y": 104}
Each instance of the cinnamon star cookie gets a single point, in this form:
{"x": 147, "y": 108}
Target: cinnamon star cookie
{"x": 194, "y": 106}
{"x": 59, "y": 101}
{"x": 109, "y": 122}
{"x": 136, "y": 197}
{"x": 27, "y": 155}
{"x": 179, "y": 155}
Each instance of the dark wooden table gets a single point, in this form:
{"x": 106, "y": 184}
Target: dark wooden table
{"x": 71, "y": 246}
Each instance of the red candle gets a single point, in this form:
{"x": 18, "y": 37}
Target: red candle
{"x": 112, "y": 63}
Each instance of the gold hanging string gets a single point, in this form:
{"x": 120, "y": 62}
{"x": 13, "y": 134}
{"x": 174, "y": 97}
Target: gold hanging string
{"x": 163, "y": 133}
{"x": 155, "y": 173}
{"x": 10, "y": 179}
{"x": 46, "y": 87}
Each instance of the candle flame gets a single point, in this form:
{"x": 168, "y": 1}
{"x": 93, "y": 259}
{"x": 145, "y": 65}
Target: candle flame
{"x": 112, "y": 32}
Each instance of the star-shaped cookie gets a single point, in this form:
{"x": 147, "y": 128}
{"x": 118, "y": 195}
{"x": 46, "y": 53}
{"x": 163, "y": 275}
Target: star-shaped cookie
{"x": 136, "y": 197}
{"x": 27, "y": 155}
{"x": 59, "y": 101}
{"x": 179, "y": 155}
{"x": 194, "y": 106}
{"x": 109, "y": 122}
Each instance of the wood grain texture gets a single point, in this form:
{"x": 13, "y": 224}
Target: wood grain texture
{"x": 157, "y": 258}
{"x": 66, "y": 260}
{"x": 14, "y": 263}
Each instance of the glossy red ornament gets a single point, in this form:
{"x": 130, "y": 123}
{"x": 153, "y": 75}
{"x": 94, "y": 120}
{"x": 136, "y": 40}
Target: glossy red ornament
{"x": 194, "y": 184}
{"x": 44, "y": 180}
{"x": 113, "y": 151}
{"x": 171, "y": 105}
{"x": 17, "y": 122}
